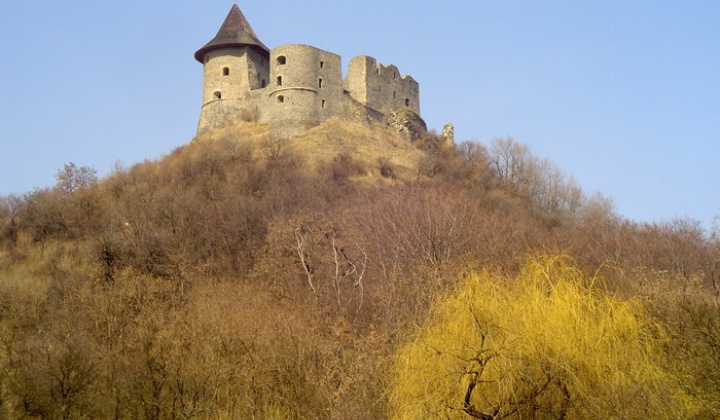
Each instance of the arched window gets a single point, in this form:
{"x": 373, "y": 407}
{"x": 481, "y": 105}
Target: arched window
{"x": 407, "y": 102}
{"x": 226, "y": 71}
{"x": 322, "y": 103}
{"x": 281, "y": 59}
{"x": 320, "y": 82}
{"x": 279, "y": 80}
{"x": 217, "y": 94}
{"x": 322, "y": 64}
{"x": 280, "y": 99}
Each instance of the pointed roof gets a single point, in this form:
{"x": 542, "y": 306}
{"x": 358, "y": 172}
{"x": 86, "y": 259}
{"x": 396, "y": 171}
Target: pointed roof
{"x": 234, "y": 32}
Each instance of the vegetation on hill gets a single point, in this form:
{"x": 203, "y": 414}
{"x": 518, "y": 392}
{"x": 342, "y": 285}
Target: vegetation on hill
{"x": 549, "y": 343}
{"x": 246, "y": 276}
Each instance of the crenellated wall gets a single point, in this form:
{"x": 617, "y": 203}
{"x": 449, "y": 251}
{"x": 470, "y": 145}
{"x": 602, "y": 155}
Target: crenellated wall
{"x": 381, "y": 87}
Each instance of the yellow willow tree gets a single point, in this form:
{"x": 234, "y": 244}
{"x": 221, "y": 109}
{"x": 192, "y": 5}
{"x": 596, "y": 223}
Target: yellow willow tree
{"x": 550, "y": 344}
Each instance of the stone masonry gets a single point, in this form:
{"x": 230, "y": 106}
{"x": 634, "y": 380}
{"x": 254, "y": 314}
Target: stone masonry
{"x": 295, "y": 87}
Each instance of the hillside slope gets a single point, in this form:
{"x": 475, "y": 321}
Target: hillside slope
{"x": 249, "y": 276}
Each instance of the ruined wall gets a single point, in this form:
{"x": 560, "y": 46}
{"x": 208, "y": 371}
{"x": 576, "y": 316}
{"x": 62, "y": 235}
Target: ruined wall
{"x": 381, "y": 87}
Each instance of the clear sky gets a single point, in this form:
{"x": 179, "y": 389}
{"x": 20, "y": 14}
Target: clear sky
{"x": 622, "y": 95}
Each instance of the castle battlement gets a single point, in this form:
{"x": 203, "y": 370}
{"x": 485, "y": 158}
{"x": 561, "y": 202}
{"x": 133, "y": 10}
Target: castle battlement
{"x": 294, "y": 87}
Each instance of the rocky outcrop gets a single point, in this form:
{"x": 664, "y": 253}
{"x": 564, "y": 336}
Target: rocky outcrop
{"x": 407, "y": 123}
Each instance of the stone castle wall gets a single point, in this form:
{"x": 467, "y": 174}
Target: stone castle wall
{"x": 305, "y": 86}
{"x": 230, "y": 76}
{"x": 229, "y": 73}
{"x": 299, "y": 87}
{"x": 381, "y": 87}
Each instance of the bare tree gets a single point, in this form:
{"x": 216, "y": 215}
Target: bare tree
{"x": 72, "y": 178}
{"x": 522, "y": 173}
{"x": 10, "y": 207}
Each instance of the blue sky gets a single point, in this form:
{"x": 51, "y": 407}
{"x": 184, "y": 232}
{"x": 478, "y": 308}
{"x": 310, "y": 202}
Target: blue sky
{"x": 622, "y": 95}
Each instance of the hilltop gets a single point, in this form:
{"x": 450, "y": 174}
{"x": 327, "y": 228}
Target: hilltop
{"x": 368, "y": 144}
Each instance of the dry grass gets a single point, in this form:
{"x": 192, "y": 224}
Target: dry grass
{"x": 247, "y": 131}
{"x": 366, "y": 144}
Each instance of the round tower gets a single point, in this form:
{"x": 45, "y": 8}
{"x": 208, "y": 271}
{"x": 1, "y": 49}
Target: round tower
{"x": 305, "y": 86}
{"x": 235, "y": 63}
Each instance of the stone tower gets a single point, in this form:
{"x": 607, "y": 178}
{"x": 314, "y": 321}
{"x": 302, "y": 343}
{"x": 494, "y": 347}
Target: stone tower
{"x": 294, "y": 87}
{"x": 235, "y": 63}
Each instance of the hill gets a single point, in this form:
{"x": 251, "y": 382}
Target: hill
{"x": 367, "y": 144}
{"x": 250, "y": 276}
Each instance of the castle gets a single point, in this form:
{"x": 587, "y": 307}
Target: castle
{"x": 295, "y": 87}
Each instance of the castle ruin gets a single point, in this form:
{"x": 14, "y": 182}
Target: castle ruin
{"x": 295, "y": 87}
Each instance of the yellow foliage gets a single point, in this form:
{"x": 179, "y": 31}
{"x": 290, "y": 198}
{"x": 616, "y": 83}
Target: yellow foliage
{"x": 550, "y": 343}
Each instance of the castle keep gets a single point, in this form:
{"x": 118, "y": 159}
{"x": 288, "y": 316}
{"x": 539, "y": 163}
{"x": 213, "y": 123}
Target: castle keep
{"x": 295, "y": 87}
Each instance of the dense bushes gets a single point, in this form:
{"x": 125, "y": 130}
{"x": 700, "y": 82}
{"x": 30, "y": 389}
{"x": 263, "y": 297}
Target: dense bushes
{"x": 236, "y": 279}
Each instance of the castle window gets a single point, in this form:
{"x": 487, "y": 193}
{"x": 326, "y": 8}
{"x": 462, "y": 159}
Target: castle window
{"x": 226, "y": 71}
{"x": 323, "y": 103}
{"x": 407, "y": 102}
{"x": 322, "y": 64}
{"x": 281, "y": 59}
{"x": 393, "y": 95}
{"x": 320, "y": 82}
{"x": 217, "y": 94}
{"x": 280, "y": 99}
{"x": 279, "y": 80}
{"x": 394, "y": 75}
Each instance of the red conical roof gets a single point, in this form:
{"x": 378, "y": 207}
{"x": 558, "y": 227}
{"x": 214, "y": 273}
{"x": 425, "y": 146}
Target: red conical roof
{"x": 234, "y": 32}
